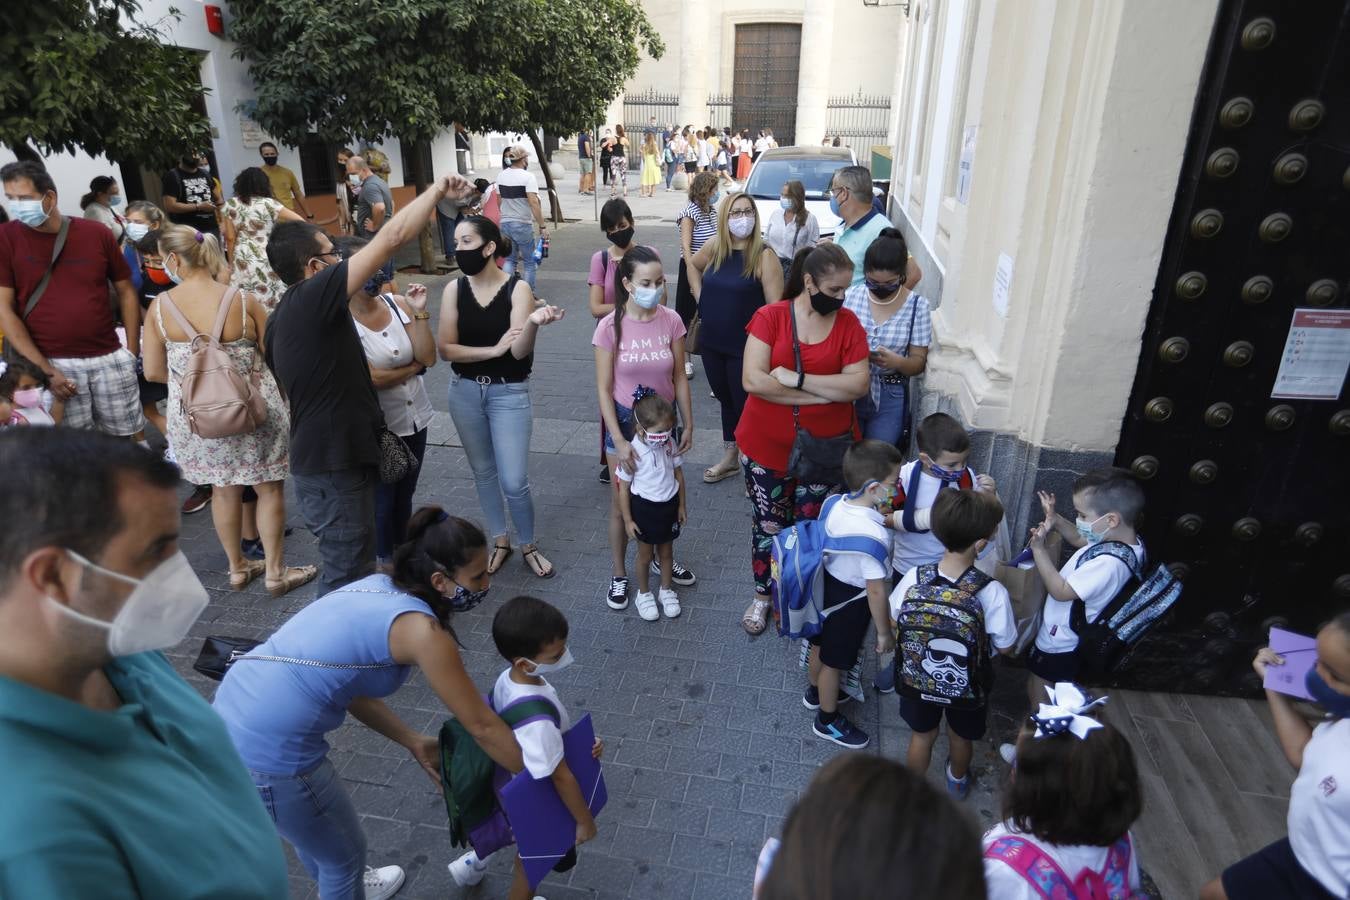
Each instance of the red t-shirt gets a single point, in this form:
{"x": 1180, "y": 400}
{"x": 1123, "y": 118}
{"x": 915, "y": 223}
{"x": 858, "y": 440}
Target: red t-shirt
{"x": 74, "y": 318}
{"x": 765, "y": 432}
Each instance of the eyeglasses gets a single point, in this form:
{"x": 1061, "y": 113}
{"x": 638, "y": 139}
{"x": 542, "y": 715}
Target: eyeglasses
{"x": 741, "y": 214}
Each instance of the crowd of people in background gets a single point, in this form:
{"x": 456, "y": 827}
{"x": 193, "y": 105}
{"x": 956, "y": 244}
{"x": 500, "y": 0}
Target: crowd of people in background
{"x": 107, "y": 316}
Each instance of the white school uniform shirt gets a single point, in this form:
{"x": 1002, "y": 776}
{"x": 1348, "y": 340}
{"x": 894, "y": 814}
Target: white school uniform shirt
{"x": 1319, "y": 808}
{"x": 654, "y": 478}
{"x": 913, "y": 548}
{"x": 1096, "y": 583}
{"x": 847, "y": 520}
{"x": 999, "y": 622}
{"x": 1005, "y": 884}
{"x": 541, "y": 743}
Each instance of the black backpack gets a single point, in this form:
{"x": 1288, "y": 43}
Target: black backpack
{"x": 1106, "y": 641}
{"x": 942, "y": 648}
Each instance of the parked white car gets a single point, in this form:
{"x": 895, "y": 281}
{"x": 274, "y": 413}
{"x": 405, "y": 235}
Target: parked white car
{"x": 814, "y": 167}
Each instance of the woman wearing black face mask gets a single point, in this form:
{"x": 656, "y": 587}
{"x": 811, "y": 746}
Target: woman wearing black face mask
{"x": 487, "y": 330}
{"x": 818, "y": 398}
{"x": 278, "y": 711}
{"x": 616, "y": 221}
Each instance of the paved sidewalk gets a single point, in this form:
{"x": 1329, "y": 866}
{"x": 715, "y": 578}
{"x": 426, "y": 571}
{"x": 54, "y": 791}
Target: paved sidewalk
{"x": 708, "y": 742}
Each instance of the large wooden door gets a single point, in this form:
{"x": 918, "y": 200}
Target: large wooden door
{"x": 1248, "y": 486}
{"x": 764, "y": 90}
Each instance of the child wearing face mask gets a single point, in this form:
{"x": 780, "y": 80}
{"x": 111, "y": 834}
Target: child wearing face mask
{"x": 531, "y": 636}
{"x": 24, "y": 388}
{"x": 652, "y": 500}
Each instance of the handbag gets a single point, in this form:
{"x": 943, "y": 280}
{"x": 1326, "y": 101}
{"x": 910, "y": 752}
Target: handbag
{"x": 396, "y": 459}
{"x": 9, "y": 352}
{"x": 815, "y": 460}
{"x": 220, "y": 653}
{"x": 692, "y": 334}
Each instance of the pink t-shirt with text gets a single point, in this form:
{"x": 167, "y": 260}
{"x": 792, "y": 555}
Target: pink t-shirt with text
{"x": 645, "y": 358}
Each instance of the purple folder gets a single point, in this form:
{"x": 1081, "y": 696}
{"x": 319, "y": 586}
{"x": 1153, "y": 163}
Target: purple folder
{"x": 1300, "y": 653}
{"x": 544, "y": 829}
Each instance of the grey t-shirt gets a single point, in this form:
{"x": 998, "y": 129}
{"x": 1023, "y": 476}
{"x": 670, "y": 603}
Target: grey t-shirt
{"x": 373, "y": 190}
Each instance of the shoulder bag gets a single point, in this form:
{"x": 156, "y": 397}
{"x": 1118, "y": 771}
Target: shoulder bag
{"x": 815, "y": 460}
{"x": 10, "y": 353}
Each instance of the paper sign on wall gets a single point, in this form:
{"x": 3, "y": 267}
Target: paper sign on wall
{"x": 1316, "y": 356}
{"x": 964, "y": 167}
{"x": 251, "y": 133}
{"x": 1003, "y": 284}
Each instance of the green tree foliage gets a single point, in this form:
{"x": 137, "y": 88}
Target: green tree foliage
{"x": 91, "y": 75}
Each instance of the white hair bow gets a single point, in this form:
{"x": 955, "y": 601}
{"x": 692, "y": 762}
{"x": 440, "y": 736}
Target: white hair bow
{"x": 1066, "y": 711}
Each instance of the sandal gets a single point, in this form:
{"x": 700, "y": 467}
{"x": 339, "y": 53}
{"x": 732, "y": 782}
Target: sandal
{"x": 756, "y": 617}
{"x": 241, "y": 578}
{"x": 292, "y": 578}
{"x": 506, "y": 550}
{"x": 536, "y": 562}
{"x": 712, "y": 475}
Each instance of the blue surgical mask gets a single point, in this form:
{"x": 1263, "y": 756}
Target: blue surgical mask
{"x": 1085, "y": 529}
{"x": 115, "y": 201}
{"x": 834, "y": 204}
{"x": 785, "y": 202}
{"x": 137, "y": 230}
{"x": 548, "y": 668}
{"x": 1332, "y": 700}
{"x": 647, "y": 297}
{"x": 712, "y": 201}
{"x": 354, "y": 179}
{"x": 29, "y": 212}
{"x": 173, "y": 275}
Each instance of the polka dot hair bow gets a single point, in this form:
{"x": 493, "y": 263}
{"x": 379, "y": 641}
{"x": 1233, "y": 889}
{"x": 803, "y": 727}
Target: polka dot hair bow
{"x": 1066, "y": 711}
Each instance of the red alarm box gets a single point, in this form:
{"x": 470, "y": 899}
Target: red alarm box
{"x": 215, "y": 20}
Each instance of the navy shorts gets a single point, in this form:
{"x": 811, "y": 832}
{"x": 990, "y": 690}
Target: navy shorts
{"x": 1053, "y": 667}
{"x": 1272, "y": 871}
{"x": 922, "y": 717}
{"x": 658, "y": 522}
{"x": 842, "y": 635}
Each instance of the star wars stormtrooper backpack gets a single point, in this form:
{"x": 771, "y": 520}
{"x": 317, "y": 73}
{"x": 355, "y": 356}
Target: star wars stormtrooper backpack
{"x": 942, "y": 649}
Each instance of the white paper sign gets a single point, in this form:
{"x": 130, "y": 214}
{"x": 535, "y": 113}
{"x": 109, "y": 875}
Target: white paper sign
{"x": 251, "y": 134}
{"x": 965, "y": 165}
{"x": 1003, "y": 284}
{"x": 1316, "y": 356}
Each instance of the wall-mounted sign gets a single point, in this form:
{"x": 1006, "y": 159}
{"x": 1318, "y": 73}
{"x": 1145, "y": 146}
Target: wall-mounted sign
{"x": 1316, "y": 356}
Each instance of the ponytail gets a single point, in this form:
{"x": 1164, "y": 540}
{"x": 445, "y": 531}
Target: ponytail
{"x": 99, "y": 185}
{"x": 887, "y": 252}
{"x": 437, "y": 542}
{"x": 796, "y": 284}
{"x": 489, "y": 232}
{"x": 198, "y": 250}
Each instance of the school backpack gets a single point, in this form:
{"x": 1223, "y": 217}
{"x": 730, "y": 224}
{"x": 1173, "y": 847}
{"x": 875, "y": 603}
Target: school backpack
{"x": 1105, "y": 642}
{"x": 470, "y": 779}
{"x": 216, "y": 400}
{"x": 1047, "y": 879}
{"x": 941, "y": 646}
{"x": 797, "y": 571}
{"x": 965, "y": 483}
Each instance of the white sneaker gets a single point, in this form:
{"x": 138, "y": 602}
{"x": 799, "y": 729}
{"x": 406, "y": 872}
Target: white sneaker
{"x": 646, "y": 606}
{"x": 383, "y": 883}
{"x": 1009, "y": 753}
{"x": 670, "y": 603}
{"x": 468, "y": 870}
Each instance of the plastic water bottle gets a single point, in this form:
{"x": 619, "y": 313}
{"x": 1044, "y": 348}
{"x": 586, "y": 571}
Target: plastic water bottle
{"x": 538, "y": 250}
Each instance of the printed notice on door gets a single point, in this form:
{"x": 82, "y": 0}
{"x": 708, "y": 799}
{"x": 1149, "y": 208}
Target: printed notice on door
{"x": 1316, "y": 356}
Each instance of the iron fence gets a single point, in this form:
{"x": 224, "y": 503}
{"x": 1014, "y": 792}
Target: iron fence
{"x": 719, "y": 111}
{"x": 638, "y": 110}
{"x": 859, "y": 121}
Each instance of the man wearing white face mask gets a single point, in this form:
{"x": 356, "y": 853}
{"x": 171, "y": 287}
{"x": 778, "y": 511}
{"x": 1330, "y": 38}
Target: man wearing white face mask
{"x": 118, "y": 779}
{"x": 54, "y": 275}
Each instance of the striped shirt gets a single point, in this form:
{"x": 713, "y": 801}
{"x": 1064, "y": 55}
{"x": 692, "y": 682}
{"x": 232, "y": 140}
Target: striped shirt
{"x": 515, "y": 186}
{"x": 705, "y": 225}
{"x": 909, "y": 326}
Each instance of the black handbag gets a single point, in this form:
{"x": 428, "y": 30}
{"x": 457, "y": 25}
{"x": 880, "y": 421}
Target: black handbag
{"x": 815, "y": 460}
{"x": 219, "y": 653}
{"x": 396, "y": 459}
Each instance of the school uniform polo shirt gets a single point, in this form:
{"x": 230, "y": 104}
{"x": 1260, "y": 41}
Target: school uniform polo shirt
{"x": 147, "y": 801}
{"x": 856, "y": 238}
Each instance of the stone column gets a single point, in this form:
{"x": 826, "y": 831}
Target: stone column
{"x": 813, "y": 78}
{"x": 694, "y": 62}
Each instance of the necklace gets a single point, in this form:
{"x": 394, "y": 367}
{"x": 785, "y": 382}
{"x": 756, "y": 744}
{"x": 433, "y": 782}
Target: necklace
{"x": 877, "y": 302}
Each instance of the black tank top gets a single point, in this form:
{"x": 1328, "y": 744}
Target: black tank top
{"x": 481, "y": 326}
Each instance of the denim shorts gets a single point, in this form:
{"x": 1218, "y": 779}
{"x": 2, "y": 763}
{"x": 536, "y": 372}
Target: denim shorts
{"x": 626, "y": 425}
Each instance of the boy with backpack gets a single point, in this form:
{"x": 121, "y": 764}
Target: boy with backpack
{"x": 944, "y": 447}
{"x": 854, "y": 586}
{"x": 532, "y": 636}
{"x": 946, "y": 616}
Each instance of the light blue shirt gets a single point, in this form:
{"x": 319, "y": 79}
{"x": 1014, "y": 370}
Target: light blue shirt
{"x": 149, "y": 800}
{"x": 277, "y": 713}
{"x": 856, "y": 238}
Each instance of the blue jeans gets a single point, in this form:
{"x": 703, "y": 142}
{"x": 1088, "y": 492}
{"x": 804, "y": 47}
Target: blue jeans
{"x": 522, "y": 246}
{"x": 446, "y": 225}
{"x": 393, "y": 502}
{"x": 494, "y": 423}
{"x": 339, "y": 508}
{"x": 313, "y": 812}
{"x": 670, "y": 173}
{"x": 886, "y": 422}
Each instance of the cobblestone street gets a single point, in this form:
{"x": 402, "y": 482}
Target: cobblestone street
{"x": 708, "y": 743}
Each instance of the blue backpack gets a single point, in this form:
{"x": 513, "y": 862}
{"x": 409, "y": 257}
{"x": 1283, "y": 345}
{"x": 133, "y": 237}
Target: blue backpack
{"x": 1106, "y": 641}
{"x": 798, "y": 571}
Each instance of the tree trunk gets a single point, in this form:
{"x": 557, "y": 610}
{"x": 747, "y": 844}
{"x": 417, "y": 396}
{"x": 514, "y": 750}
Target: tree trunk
{"x": 421, "y": 172}
{"x": 554, "y": 205}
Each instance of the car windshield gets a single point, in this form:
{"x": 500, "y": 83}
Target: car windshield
{"x": 766, "y": 182}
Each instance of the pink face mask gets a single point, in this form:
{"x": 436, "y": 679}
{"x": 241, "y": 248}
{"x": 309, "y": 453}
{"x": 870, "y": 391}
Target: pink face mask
{"x": 30, "y": 398}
